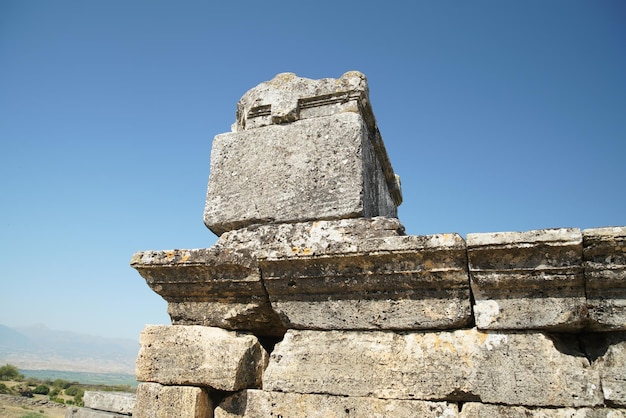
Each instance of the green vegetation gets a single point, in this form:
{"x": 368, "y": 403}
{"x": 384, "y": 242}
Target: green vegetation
{"x": 59, "y": 390}
{"x": 24, "y": 390}
{"x": 10, "y": 372}
{"x": 63, "y": 384}
{"x": 41, "y": 389}
{"x": 32, "y": 415}
{"x": 74, "y": 390}
{"x": 104, "y": 379}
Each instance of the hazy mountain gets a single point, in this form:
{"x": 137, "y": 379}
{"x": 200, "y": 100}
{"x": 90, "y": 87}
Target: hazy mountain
{"x": 38, "y": 347}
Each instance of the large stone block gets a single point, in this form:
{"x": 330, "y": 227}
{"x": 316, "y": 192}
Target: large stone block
{"x": 474, "y": 409}
{"x": 287, "y": 98}
{"x": 260, "y": 404}
{"x": 221, "y": 286}
{"x": 608, "y": 350}
{"x": 210, "y": 287}
{"x": 76, "y": 412}
{"x": 321, "y": 168}
{"x": 302, "y": 150}
{"x": 309, "y": 238}
{"x": 200, "y": 356}
{"x": 118, "y": 402}
{"x": 395, "y": 282}
{"x": 604, "y": 253}
{"x": 158, "y": 401}
{"x": 465, "y": 365}
{"x": 528, "y": 280}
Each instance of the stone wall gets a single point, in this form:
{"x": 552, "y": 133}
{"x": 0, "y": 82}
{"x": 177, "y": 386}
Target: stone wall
{"x": 315, "y": 303}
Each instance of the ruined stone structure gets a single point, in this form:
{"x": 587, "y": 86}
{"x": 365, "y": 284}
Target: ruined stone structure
{"x": 104, "y": 405}
{"x": 315, "y": 303}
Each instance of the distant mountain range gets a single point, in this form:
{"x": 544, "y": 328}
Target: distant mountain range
{"x": 40, "y": 348}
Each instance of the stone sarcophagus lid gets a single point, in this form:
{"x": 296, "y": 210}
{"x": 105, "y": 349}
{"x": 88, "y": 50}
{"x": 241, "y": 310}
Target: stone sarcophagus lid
{"x": 301, "y": 150}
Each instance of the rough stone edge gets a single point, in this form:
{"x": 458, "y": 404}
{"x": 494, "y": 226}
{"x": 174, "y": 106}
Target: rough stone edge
{"x": 118, "y": 402}
{"x": 558, "y": 236}
{"x": 255, "y": 354}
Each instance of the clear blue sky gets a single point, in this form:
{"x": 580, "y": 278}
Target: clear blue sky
{"x": 498, "y": 116}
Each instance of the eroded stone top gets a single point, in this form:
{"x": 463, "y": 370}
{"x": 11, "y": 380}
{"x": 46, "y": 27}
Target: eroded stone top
{"x": 287, "y": 98}
{"x": 555, "y": 235}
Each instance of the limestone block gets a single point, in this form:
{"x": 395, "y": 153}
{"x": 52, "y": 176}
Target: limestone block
{"x": 221, "y": 286}
{"x": 157, "y": 401}
{"x": 528, "y": 280}
{"x": 119, "y": 402}
{"x": 321, "y": 168}
{"x": 604, "y": 253}
{"x": 464, "y": 365}
{"x": 288, "y": 98}
{"x": 474, "y": 409}
{"x": 260, "y": 404}
{"x": 608, "y": 349}
{"x": 309, "y": 238}
{"x": 75, "y": 412}
{"x": 200, "y": 356}
{"x": 210, "y": 287}
{"x": 395, "y": 282}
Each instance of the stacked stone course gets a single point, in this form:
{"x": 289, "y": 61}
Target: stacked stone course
{"x": 315, "y": 303}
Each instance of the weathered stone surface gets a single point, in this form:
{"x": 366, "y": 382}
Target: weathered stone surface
{"x": 528, "y": 280}
{"x": 157, "y": 401}
{"x": 75, "y": 412}
{"x": 608, "y": 350}
{"x": 221, "y": 286}
{"x": 260, "y": 404}
{"x": 604, "y": 253}
{"x": 395, "y": 282}
{"x": 288, "y": 98}
{"x": 210, "y": 287}
{"x": 309, "y": 238}
{"x": 301, "y": 150}
{"x": 119, "y": 402}
{"x": 322, "y": 168}
{"x": 464, "y": 365}
{"x": 473, "y": 409}
{"x": 200, "y": 356}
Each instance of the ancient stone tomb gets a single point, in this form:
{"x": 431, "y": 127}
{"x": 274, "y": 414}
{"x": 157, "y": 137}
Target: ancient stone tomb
{"x": 315, "y": 303}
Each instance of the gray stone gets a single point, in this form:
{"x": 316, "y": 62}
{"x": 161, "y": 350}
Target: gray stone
{"x": 473, "y": 409}
{"x": 323, "y": 168}
{"x": 528, "y": 280}
{"x": 604, "y": 253}
{"x": 287, "y": 98}
{"x": 309, "y": 238}
{"x": 608, "y": 349}
{"x": 210, "y": 287}
{"x": 119, "y": 402}
{"x": 464, "y": 365}
{"x": 75, "y": 412}
{"x": 395, "y": 282}
{"x": 343, "y": 274}
{"x": 301, "y": 150}
{"x": 200, "y": 356}
{"x": 260, "y": 404}
{"x": 157, "y": 401}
